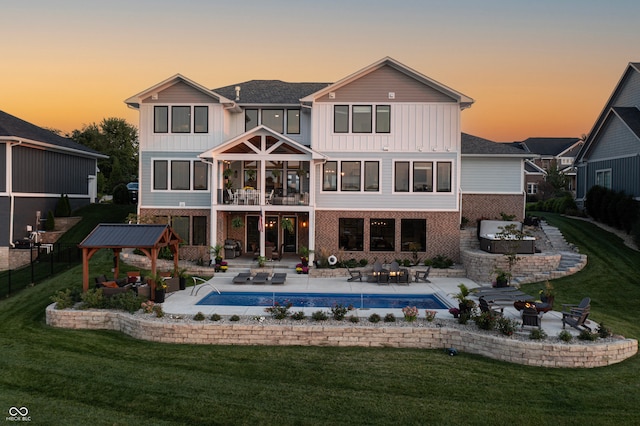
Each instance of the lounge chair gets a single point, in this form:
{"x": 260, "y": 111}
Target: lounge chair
{"x": 422, "y": 275}
{"x": 279, "y": 278}
{"x": 576, "y": 315}
{"x": 486, "y": 307}
{"x": 242, "y": 278}
{"x": 260, "y": 278}
{"x": 354, "y": 274}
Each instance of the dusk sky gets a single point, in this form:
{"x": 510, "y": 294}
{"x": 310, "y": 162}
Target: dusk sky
{"x": 534, "y": 68}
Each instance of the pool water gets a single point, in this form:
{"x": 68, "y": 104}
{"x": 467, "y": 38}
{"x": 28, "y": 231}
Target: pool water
{"x": 301, "y": 300}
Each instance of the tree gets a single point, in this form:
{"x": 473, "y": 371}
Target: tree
{"x": 117, "y": 139}
{"x": 558, "y": 180}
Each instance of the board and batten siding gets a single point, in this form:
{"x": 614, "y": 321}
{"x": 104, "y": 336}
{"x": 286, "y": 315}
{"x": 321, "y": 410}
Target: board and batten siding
{"x": 3, "y": 174}
{"x": 169, "y": 198}
{"x": 414, "y": 127}
{"x": 492, "y": 175}
{"x": 386, "y": 199}
{"x": 625, "y": 174}
{"x": 181, "y": 142}
{"x": 48, "y": 172}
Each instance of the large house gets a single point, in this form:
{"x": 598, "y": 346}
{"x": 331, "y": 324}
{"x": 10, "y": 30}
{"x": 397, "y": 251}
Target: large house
{"x": 559, "y": 152}
{"x": 372, "y": 166}
{"x": 610, "y": 156}
{"x": 39, "y": 166}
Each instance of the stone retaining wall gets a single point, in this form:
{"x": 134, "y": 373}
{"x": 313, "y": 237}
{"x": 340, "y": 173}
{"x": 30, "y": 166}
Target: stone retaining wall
{"x": 541, "y": 354}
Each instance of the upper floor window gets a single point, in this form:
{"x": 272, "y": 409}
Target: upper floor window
{"x": 181, "y": 119}
{"x": 363, "y": 119}
{"x": 275, "y": 119}
{"x": 354, "y": 176}
{"x": 161, "y": 119}
{"x": 184, "y": 175}
{"x": 420, "y": 177}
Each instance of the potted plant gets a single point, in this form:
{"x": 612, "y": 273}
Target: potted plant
{"x": 464, "y": 303}
{"x": 261, "y": 261}
{"x": 215, "y": 251}
{"x": 227, "y": 173}
{"x": 304, "y": 255}
{"x": 182, "y": 277}
{"x": 160, "y": 287}
{"x": 502, "y": 277}
{"x": 547, "y": 294}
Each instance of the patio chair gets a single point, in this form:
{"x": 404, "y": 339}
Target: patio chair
{"x": 279, "y": 278}
{"x": 242, "y": 278}
{"x": 576, "y": 315}
{"x": 382, "y": 275}
{"x": 486, "y": 307}
{"x": 354, "y": 274}
{"x": 260, "y": 278}
{"x": 531, "y": 317}
{"x": 422, "y": 275}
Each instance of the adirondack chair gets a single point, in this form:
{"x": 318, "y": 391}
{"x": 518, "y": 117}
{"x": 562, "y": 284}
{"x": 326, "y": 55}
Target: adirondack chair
{"x": 576, "y": 315}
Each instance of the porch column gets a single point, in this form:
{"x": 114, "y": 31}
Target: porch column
{"x": 311, "y": 229}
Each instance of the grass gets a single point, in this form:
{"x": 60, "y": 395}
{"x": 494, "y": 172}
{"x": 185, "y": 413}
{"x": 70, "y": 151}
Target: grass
{"x": 100, "y": 377}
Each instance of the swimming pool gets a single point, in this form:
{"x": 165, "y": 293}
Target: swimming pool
{"x": 301, "y": 300}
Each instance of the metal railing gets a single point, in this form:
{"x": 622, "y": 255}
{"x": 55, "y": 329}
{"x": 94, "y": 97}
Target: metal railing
{"x": 43, "y": 265}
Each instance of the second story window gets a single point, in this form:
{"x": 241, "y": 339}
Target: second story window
{"x": 363, "y": 119}
{"x": 341, "y": 118}
{"x": 273, "y": 119}
{"x": 180, "y": 118}
{"x": 201, "y": 119}
{"x": 161, "y": 119}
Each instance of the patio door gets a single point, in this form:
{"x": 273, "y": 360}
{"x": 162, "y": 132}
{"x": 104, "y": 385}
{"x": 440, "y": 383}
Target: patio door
{"x": 289, "y": 239}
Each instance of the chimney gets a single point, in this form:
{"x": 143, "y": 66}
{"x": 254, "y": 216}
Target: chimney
{"x": 237, "y": 93}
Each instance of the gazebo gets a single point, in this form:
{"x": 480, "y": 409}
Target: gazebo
{"x": 115, "y": 236}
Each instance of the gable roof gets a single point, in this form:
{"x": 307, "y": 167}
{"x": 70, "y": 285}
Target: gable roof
{"x": 632, "y": 68}
{"x": 260, "y": 92}
{"x": 630, "y": 116}
{"x": 464, "y": 100}
{"x": 12, "y": 127}
{"x": 479, "y": 147}
{"x": 554, "y": 147}
{"x": 135, "y": 100}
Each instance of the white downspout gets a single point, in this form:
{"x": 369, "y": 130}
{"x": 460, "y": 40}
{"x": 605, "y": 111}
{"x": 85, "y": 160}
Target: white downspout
{"x": 213, "y": 214}
{"x": 9, "y": 181}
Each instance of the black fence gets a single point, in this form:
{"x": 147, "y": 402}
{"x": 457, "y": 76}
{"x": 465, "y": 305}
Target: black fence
{"x": 42, "y": 266}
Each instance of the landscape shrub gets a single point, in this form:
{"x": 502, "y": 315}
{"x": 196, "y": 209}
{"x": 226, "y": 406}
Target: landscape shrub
{"x": 389, "y": 318}
{"x": 128, "y": 301}
{"x": 199, "y": 317}
{"x": 614, "y": 208}
{"x": 121, "y": 194}
{"x": 63, "y": 207}
{"x": 486, "y": 320}
{"x": 319, "y": 316}
{"x": 63, "y": 299}
{"x": 215, "y": 317}
{"x": 93, "y": 299}
{"x": 50, "y": 223}
{"x": 374, "y": 318}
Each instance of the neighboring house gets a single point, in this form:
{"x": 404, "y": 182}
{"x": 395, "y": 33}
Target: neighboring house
{"x": 372, "y": 166}
{"x": 39, "y": 166}
{"x": 610, "y": 156}
{"x": 560, "y": 152}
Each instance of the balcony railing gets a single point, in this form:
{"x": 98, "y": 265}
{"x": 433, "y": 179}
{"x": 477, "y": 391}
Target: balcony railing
{"x": 252, "y": 197}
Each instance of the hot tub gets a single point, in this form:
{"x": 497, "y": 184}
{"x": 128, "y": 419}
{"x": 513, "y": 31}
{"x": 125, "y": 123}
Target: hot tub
{"x": 492, "y": 242}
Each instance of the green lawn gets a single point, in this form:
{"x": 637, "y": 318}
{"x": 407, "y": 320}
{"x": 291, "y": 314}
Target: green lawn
{"x": 82, "y": 377}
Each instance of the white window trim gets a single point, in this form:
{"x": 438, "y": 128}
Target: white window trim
{"x": 532, "y": 185}
{"x": 191, "y": 176}
{"x": 362, "y": 181}
{"x": 603, "y": 172}
{"x": 373, "y": 119}
{"x": 192, "y": 123}
{"x": 434, "y": 191}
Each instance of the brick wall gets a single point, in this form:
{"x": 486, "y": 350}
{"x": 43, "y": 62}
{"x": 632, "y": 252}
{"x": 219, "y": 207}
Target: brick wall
{"x": 442, "y": 234}
{"x": 540, "y": 354}
{"x": 187, "y": 252}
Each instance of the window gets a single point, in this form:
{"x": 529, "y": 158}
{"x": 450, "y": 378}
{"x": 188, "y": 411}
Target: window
{"x": 274, "y": 119}
{"x": 341, "y": 118}
{"x": 201, "y": 119}
{"x": 350, "y": 176}
{"x": 532, "y": 188}
{"x": 444, "y": 177}
{"x": 603, "y": 178}
{"x": 371, "y": 176}
{"x": 160, "y": 174}
{"x": 422, "y": 176}
{"x": 180, "y": 224}
{"x": 180, "y": 175}
{"x": 199, "y": 231}
{"x": 161, "y": 119}
{"x": 181, "y": 119}
{"x": 330, "y": 176}
{"x": 413, "y": 235}
{"x": 200, "y": 176}
{"x": 401, "y": 176}
{"x": 293, "y": 121}
{"x": 383, "y": 234}
{"x": 383, "y": 119}
{"x": 351, "y": 234}
{"x": 361, "y": 119}
{"x": 250, "y": 119}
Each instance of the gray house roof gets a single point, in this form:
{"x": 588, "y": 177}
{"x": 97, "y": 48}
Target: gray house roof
{"x": 548, "y": 146}
{"x": 118, "y": 235}
{"x": 261, "y": 92}
{"x": 474, "y": 145}
{"x": 13, "y": 127}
